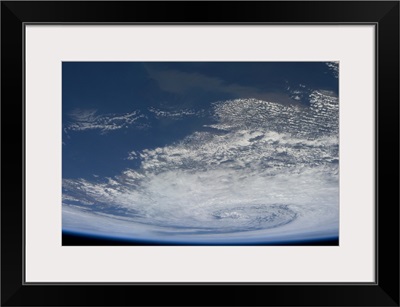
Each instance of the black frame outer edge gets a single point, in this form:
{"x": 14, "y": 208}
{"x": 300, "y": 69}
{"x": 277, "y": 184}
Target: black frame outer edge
{"x": 384, "y": 13}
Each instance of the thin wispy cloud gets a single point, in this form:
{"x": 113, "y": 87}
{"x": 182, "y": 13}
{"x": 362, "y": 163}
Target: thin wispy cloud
{"x": 181, "y": 114}
{"x": 83, "y": 120}
{"x": 180, "y": 82}
{"x": 334, "y": 68}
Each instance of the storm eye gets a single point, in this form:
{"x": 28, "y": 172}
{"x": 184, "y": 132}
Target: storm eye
{"x": 255, "y": 217}
{"x": 201, "y": 152}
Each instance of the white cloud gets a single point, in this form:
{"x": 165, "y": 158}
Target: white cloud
{"x": 158, "y": 113}
{"x": 82, "y": 120}
{"x": 265, "y": 171}
{"x": 334, "y": 68}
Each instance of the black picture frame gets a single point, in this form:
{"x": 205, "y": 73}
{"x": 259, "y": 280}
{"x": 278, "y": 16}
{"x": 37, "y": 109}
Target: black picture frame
{"x": 383, "y": 14}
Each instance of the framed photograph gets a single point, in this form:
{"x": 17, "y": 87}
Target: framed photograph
{"x": 242, "y": 153}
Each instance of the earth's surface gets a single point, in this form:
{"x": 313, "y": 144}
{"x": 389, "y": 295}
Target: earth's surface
{"x": 201, "y": 153}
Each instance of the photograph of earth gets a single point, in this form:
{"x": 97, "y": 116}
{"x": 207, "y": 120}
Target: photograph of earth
{"x": 200, "y": 153}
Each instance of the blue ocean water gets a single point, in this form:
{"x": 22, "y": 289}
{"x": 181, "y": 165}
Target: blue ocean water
{"x": 201, "y": 152}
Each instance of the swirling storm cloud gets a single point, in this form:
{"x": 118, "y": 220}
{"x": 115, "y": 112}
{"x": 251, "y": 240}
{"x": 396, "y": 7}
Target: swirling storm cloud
{"x": 201, "y": 153}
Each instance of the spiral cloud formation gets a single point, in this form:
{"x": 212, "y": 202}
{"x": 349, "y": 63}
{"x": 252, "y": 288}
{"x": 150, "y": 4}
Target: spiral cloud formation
{"x": 262, "y": 173}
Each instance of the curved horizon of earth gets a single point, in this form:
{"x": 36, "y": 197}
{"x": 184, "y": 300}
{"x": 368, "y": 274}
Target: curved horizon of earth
{"x": 232, "y": 171}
